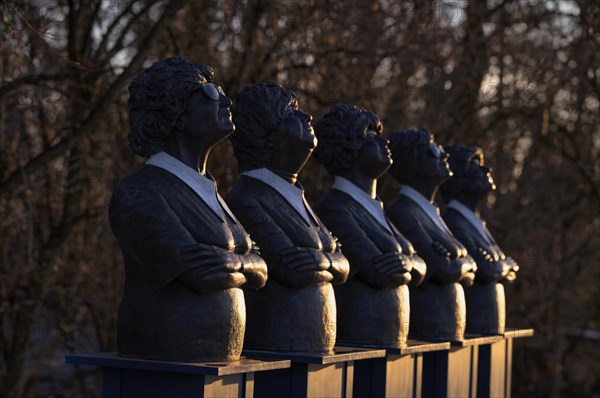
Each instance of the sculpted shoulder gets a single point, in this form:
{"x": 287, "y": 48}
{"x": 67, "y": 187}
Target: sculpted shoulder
{"x": 403, "y": 209}
{"x": 334, "y": 201}
{"x": 242, "y": 192}
{"x": 138, "y": 184}
{"x": 455, "y": 220}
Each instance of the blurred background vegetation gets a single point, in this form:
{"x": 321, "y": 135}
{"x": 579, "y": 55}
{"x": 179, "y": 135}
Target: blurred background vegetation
{"x": 520, "y": 78}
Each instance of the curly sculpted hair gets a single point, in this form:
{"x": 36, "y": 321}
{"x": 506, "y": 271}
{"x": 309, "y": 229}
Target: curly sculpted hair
{"x": 341, "y": 133}
{"x": 460, "y": 157}
{"x": 257, "y": 114}
{"x": 158, "y": 97}
{"x": 406, "y": 147}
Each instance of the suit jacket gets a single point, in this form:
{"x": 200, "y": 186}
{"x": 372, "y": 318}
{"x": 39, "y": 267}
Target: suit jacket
{"x": 414, "y": 223}
{"x": 296, "y": 309}
{"x": 373, "y": 308}
{"x": 276, "y": 226}
{"x": 163, "y": 229}
{"x": 437, "y": 311}
{"x": 487, "y": 254}
{"x": 363, "y": 238}
{"x": 486, "y": 303}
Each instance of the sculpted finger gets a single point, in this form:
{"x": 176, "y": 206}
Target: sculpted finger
{"x": 311, "y": 266}
{"x": 300, "y": 262}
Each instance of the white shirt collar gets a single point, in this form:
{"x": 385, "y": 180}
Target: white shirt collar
{"x": 204, "y": 187}
{"x": 373, "y": 206}
{"x": 429, "y": 208}
{"x": 472, "y": 218}
{"x": 291, "y": 193}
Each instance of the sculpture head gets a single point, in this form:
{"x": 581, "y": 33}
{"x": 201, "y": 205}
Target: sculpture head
{"x": 271, "y": 131}
{"x": 470, "y": 177}
{"x": 417, "y": 157}
{"x": 172, "y": 98}
{"x": 350, "y": 139}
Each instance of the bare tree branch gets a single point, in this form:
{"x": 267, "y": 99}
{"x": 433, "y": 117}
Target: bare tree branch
{"x": 33, "y": 80}
{"x": 85, "y": 127}
{"x": 108, "y": 34}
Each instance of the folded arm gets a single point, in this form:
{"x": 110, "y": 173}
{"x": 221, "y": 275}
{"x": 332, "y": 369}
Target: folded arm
{"x": 417, "y": 264}
{"x": 152, "y": 235}
{"x": 287, "y": 263}
{"x": 367, "y": 262}
{"x": 490, "y": 265}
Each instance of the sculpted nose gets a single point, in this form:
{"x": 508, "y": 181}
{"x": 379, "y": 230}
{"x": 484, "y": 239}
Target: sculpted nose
{"x": 305, "y": 116}
{"x": 226, "y": 101}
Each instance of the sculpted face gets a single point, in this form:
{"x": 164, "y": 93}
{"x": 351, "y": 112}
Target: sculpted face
{"x": 434, "y": 161}
{"x": 374, "y": 157}
{"x": 296, "y": 126}
{"x": 479, "y": 175}
{"x": 207, "y": 116}
{"x": 293, "y": 142}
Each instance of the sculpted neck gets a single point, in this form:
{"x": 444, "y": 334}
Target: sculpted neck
{"x": 287, "y": 162}
{"x": 472, "y": 200}
{"x": 192, "y": 155}
{"x": 364, "y": 182}
{"x": 286, "y": 175}
{"x": 425, "y": 187}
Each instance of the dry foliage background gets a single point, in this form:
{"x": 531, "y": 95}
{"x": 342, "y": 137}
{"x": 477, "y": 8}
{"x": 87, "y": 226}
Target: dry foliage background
{"x": 520, "y": 78}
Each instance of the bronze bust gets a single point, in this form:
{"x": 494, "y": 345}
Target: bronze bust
{"x": 273, "y": 140}
{"x": 186, "y": 255}
{"x": 463, "y": 192}
{"x": 373, "y": 306}
{"x": 437, "y": 306}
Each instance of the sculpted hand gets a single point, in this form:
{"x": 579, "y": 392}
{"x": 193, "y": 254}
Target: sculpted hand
{"x": 468, "y": 270}
{"x": 304, "y": 259}
{"x": 513, "y": 264}
{"x": 391, "y": 263}
{"x": 385, "y": 271}
{"x": 441, "y": 249}
{"x": 419, "y": 269}
{"x": 254, "y": 267}
{"x": 486, "y": 255}
{"x": 212, "y": 269}
{"x": 255, "y": 270}
{"x": 301, "y": 267}
{"x": 340, "y": 267}
{"x": 254, "y": 248}
{"x": 514, "y": 268}
{"x": 202, "y": 283}
{"x": 211, "y": 259}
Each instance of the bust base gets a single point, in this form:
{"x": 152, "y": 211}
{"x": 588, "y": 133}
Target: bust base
{"x": 494, "y": 377}
{"x": 399, "y": 374}
{"x": 130, "y": 377}
{"x": 478, "y": 366}
{"x": 312, "y": 375}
